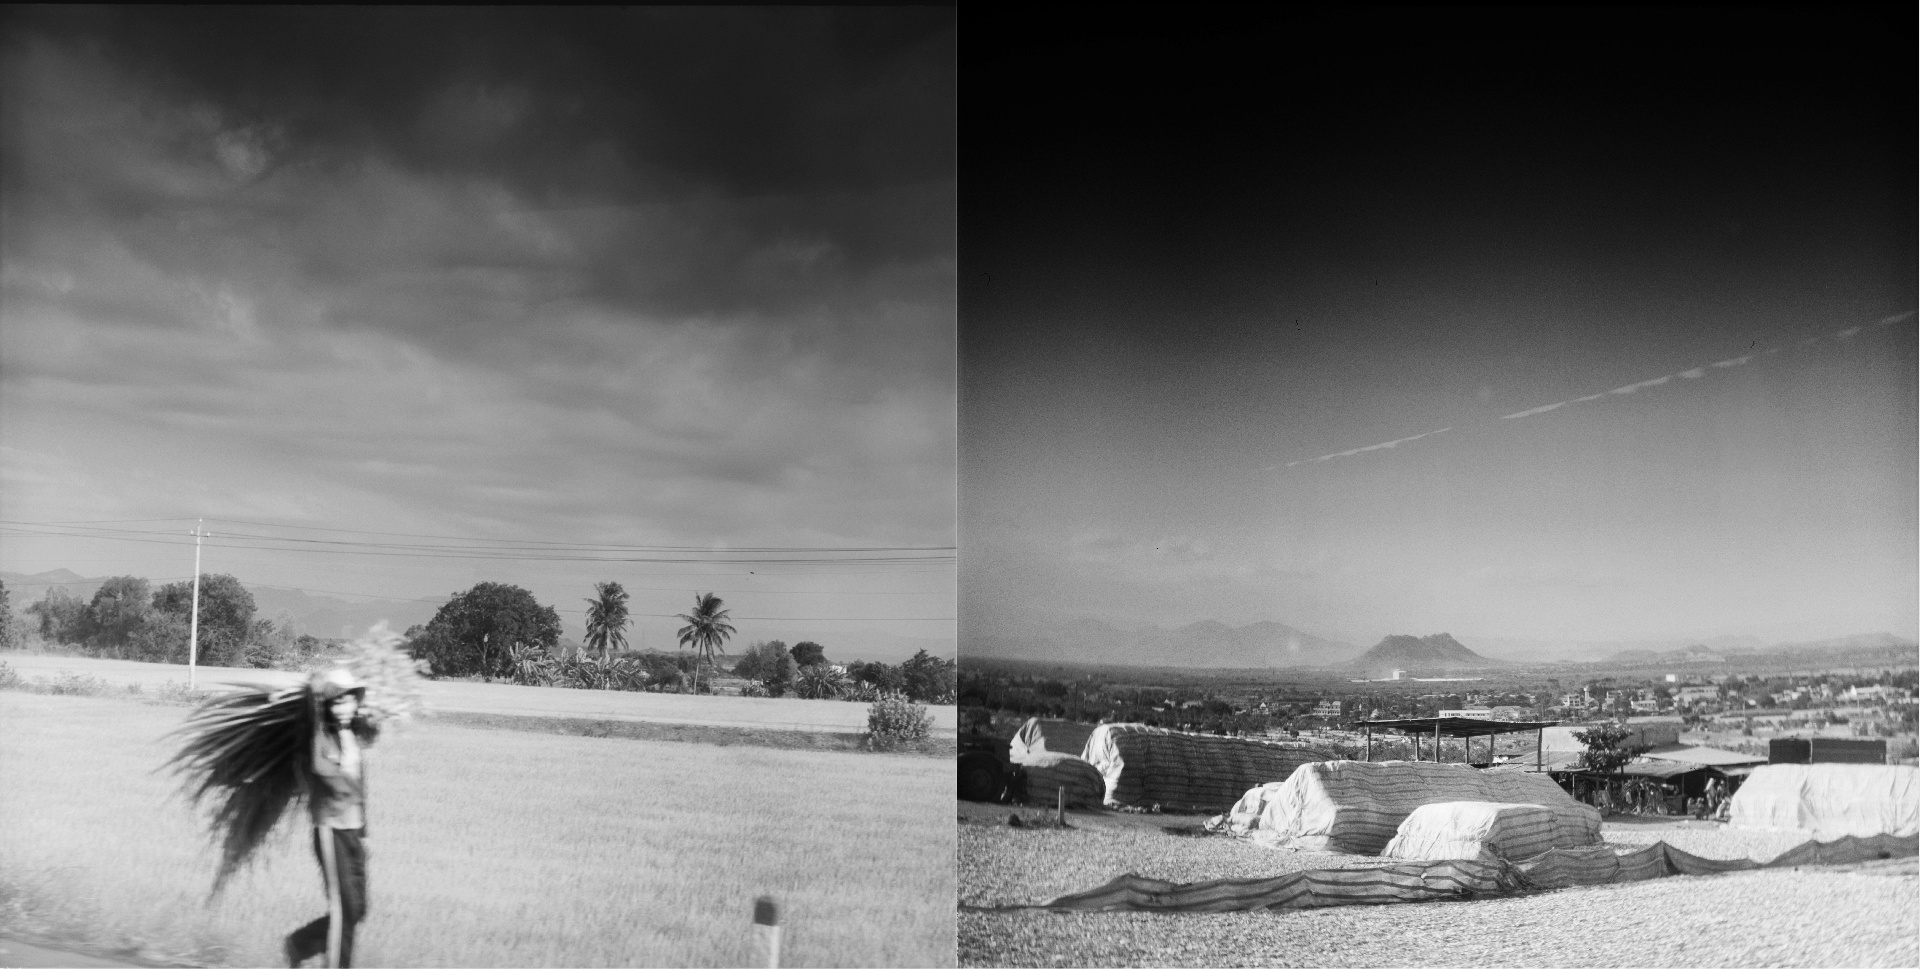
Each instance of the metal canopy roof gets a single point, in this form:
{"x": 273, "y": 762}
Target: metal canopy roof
{"x": 1460, "y": 726}
{"x": 1661, "y": 768}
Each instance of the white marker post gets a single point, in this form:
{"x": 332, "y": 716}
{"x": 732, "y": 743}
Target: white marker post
{"x": 766, "y": 915}
{"x": 193, "y": 626}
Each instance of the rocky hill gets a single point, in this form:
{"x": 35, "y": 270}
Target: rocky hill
{"x": 1438, "y": 653}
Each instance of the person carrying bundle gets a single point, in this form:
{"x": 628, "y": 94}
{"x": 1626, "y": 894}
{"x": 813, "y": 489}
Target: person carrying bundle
{"x": 255, "y": 752}
{"x": 337, "y": 800}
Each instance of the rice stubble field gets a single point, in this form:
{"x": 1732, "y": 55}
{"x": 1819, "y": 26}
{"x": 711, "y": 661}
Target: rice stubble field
{"x": 487, "y": 848}
{"x": 1865, "y": 915}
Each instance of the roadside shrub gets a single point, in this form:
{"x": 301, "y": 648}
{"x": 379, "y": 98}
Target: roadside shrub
{"x": 74, "y": 684}
{"x": 9, "y": 677}
{"x": 177, "y": 693}
{"x": 893, "y": 720}
{"x": 751, "y": 688}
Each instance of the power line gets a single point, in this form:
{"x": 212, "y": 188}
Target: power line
{"x": 466, "y": 552}
{"x": 509, "y": 542}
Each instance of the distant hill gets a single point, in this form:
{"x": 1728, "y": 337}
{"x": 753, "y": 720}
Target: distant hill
{"x": 1866, "y": 648}
{"x": 1208, "y": 644}
{"x": 1438, "y": 653}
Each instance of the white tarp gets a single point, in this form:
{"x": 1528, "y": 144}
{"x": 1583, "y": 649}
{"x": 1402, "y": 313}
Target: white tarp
{"x": 1830, "y": 800}
{"x": 1474, "y": 831}
{"x": 1146, "y": 765}
{"x": 1357, "y": 806}
{"x": 1038, "y": 736}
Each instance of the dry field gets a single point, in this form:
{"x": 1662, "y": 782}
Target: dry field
{"x": 501, "y": 698}
{"x": 488, "y": 848}
{"x": 1861, "y": 915}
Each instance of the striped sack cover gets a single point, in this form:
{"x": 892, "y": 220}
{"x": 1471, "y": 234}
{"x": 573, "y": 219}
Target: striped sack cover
{"x": 1830, "y": 800}
{"x": 1356, "y": 806}
{"x": 1187, "y": 772}
{"x": 1473, "y": 831}
{"x": 1452, "y": 878}
{"x": 1038, "y": 736}
{"x": 1414, "y": 882}
{"x": 1048, "y": 774}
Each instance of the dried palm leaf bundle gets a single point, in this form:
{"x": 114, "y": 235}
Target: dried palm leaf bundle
{"x": 248, "y": 754}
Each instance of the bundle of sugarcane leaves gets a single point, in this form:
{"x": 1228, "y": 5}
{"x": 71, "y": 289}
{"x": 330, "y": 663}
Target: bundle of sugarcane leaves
{"x": 248, "y": 752}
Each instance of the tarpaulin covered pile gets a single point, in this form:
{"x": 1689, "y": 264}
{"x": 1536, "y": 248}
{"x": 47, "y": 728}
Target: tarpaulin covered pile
{"x": 1357, "y": 806}
{"x": 1038, "y": 736}
{"x": 1048, "y": 774}
{"x": 1453, "y": 878}
{"x": 1473, "y": 831}
{"x": 1146, "y": 765}
{"x": 1830, "y": 800}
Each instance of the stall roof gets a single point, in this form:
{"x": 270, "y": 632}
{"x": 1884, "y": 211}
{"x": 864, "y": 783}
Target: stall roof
{"x": 1660, "y": 768}
{"x": 1702, "y": 756}
{"x": 1460, "y": 726}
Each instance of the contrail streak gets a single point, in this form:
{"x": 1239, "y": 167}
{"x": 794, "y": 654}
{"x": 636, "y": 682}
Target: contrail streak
{"x": 1692, "y": 374}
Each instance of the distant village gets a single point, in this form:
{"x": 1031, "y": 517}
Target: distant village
{"x": 1740, "y": 712}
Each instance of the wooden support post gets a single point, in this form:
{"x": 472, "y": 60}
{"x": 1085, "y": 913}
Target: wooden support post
{"x": 1436, "y": 741}
{"x": 1369, "y": 754}
{"x": 1539, "y": 740}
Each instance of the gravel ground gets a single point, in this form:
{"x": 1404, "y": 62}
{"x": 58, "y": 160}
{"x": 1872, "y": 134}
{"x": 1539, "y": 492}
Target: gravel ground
{"x": 1861, "y": 915}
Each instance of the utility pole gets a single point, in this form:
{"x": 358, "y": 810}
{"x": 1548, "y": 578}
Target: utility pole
{"x": 193, "y": 624}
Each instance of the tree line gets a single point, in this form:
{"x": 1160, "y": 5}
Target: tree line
{"x": 129, "y": 619}
{"x": 492, "y": 631}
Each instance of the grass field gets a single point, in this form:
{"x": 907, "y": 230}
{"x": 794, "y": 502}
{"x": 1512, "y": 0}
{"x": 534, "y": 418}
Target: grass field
{"x": 489, "y": 848}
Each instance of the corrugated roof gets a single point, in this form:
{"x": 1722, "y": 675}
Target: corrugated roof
{"x": 1704, "y": 756}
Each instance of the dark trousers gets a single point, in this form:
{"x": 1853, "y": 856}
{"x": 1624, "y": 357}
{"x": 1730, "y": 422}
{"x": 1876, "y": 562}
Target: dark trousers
{"x": 343, "y": 867}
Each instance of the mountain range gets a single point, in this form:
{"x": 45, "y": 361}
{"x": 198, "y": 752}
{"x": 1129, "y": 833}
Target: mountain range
{"x": 1036, "y": 636}
{"x": 1208, "y": 644}
{"x": 1868, "y": 647}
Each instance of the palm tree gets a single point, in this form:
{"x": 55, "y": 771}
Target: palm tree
{"x": 706, "y": 630}
{"x": 607, "y": 618}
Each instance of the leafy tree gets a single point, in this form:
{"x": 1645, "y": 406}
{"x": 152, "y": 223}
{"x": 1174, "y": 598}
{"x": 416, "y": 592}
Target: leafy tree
{"x": 9, "y": 632}
{"x": 930, "y": 679}
{"x": 1607, "y": 751}
{"x": 882, "y": 677}
{"x": 118, "y": 613}
{"x": 475, "y": 632}
{"x": 60, "y": 614}
{"x": 809, "y": 654}
{"x": 607, "y": 618}
{"x": 759, "y": 659}
{"x": 226, "y": 620}
{"x": 706, "y": 630}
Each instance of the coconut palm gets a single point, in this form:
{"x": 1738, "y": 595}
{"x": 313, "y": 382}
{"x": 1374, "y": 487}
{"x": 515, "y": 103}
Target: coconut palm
{"x": 706, "y": 631}
{"x": 607, "y": 618}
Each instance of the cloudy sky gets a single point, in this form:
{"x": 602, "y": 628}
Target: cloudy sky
{"x": 674, "y": 281}
{"x": 1623, "y": 294}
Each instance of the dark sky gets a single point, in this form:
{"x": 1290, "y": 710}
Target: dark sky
{"x": 679, "y": 277}
{"x": 1205, "y": 250}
